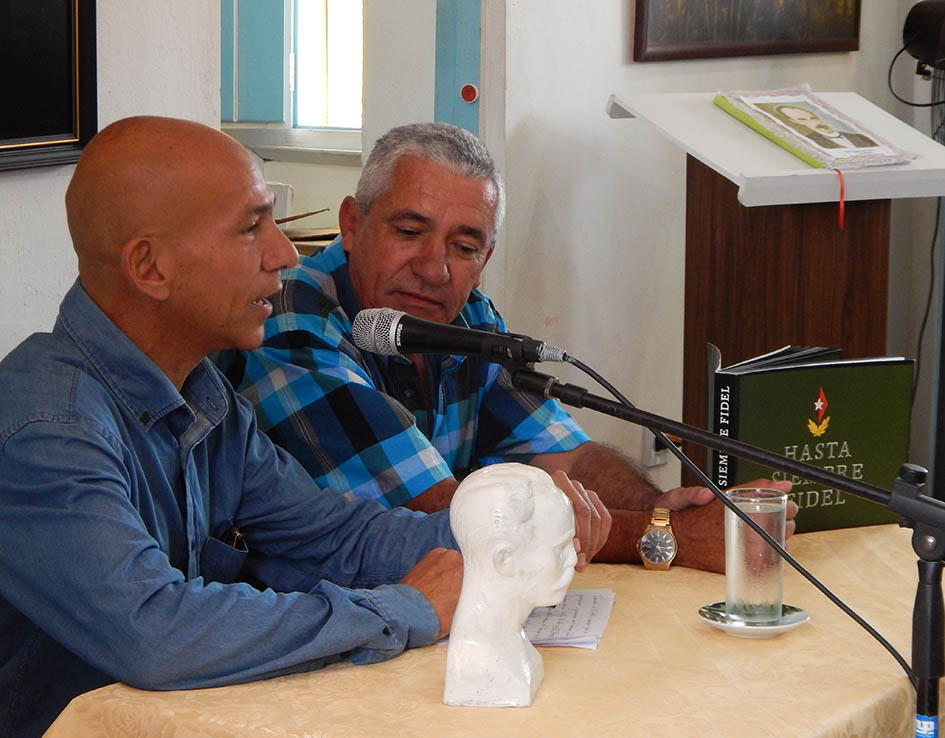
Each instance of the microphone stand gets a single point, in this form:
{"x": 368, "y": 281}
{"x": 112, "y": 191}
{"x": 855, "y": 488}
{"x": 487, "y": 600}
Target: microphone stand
{"x": 925, "y": 515}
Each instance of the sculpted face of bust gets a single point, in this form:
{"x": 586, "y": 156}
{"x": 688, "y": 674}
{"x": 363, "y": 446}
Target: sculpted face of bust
{"x": 515, "y": 529}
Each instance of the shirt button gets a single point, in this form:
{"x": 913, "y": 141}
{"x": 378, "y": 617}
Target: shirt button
{"x": 408, "y": 394}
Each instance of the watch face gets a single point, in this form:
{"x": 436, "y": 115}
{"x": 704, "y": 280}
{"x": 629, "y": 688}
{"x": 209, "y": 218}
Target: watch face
{"x": 657, "y": 546}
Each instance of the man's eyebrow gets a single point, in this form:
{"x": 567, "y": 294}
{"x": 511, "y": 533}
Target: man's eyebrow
{"x": 413, "y": 215}
{"x": 473, "y": 232}
{"x": 264, "y": 207}
{"x": 407, "y": 214}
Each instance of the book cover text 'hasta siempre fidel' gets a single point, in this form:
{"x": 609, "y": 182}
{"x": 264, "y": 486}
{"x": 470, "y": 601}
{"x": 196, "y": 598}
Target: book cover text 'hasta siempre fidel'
{"x": 849, "y": 417}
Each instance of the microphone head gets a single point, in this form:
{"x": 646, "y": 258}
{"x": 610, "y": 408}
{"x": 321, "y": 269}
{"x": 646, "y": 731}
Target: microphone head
{"x": 374, "y": 329}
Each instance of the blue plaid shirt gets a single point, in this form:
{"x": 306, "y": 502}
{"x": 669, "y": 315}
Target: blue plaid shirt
{"x": 358, "y": 422}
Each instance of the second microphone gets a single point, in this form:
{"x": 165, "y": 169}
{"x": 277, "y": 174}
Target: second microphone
{"x": 391, "y": 332}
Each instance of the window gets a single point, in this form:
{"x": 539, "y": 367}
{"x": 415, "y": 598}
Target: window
{"x": 328, "y": 63}
{"x": 426, "y": 55}
{"x": 291, "y": 78}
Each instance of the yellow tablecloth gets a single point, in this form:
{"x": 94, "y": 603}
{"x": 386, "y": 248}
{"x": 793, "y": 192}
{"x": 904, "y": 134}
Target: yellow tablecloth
{"x": 659, "y": 670}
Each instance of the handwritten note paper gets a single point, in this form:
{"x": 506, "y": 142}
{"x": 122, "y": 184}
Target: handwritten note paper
{"x": 578, "y": 620}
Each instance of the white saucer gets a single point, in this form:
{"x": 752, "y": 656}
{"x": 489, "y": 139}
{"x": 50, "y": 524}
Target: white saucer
{"x": 715, "y": 616}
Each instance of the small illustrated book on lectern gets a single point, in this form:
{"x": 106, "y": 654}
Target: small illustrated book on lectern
{"x": 811, "y": 128}
{"x": 847, "y": 416}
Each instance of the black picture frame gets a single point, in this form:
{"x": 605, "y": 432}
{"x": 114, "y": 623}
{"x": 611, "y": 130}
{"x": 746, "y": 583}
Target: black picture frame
{"x": 703, "y": 29}
{"x": 50, "y": 107}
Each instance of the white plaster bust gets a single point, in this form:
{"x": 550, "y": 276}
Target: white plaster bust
{"x": 515, "y": 529}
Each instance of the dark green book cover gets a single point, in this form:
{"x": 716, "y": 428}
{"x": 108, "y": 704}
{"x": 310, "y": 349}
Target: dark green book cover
{"x": 847, "y": 416}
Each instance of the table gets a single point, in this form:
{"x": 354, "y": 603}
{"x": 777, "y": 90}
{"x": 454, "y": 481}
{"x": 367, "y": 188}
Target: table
{"x": 659, "y": 670}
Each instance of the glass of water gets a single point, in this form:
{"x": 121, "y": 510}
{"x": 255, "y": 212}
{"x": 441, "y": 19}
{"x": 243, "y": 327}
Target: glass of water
{"x": 753, "y": 569}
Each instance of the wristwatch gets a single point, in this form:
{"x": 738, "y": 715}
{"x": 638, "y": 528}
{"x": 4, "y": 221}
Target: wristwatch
{"x": 657, "y": 545}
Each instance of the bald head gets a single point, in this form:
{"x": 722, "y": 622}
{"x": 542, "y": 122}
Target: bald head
{"x": 141, "y": 176}
{"x": 172, "y": 223}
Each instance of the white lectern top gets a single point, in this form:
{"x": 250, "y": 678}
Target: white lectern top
{"x": 766, "y": 174}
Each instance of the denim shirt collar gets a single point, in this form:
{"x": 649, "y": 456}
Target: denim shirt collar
{"x": 137, "y": 382}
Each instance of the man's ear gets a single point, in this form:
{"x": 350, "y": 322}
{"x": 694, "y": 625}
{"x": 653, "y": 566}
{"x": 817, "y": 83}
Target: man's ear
{"x": 502, "y": 560}
{"x": 349, "y": 217}
{"x": 143, "y": 268}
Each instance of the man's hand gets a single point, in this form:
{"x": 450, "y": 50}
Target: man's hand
{"x": 592, "y": 520}
{"x": 438, "y": 576}
{"x": 683, "y": 497}
{"x": 699, "y": 523}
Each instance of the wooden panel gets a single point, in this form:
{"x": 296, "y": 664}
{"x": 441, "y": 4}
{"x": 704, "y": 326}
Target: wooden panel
{"x": 308, "y": 240}
{"x": 759, "y": 278}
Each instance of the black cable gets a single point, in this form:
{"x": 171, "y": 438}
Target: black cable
{"x": 938, "y": 130}
{"x": 751, "y": 523}
{"x": 903, "y": 100}
{"x": 938, "y": 84}
{"x": 928, "y": 300}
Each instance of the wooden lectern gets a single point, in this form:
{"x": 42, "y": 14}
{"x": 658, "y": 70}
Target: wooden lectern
{"x": 766, "y": 261}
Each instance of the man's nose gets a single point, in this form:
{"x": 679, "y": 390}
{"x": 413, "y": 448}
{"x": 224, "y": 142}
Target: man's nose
{"x": 431, "y": 263}
{"x": 280, "y": 252}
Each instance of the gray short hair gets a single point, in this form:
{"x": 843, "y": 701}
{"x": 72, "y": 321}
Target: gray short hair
{"x": 443, "y": 144}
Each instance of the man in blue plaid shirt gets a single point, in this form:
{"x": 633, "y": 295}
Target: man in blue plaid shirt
{"x": 415, "y": 237}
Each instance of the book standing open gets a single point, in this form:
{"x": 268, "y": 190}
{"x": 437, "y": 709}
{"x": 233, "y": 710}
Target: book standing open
{"x": 848, "y": 416}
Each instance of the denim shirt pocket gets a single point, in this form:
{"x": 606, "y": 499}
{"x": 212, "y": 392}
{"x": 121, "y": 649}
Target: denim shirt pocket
{"x": 220, "y": 562}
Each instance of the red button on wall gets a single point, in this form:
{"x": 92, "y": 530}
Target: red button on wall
{"x": 469, "y": 93}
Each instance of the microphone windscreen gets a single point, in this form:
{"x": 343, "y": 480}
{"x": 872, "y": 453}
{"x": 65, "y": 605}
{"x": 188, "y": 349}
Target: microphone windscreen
{"x": 372, "y": 330}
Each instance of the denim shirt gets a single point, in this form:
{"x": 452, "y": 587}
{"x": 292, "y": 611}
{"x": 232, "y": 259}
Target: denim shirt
{"x": 119, "y": 497}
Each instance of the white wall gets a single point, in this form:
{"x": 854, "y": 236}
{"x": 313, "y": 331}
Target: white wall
{"x": 153, "y": 58}
{"x": 593, "y": 255}
{"x": 399, "y": 65}
{"x": 314, "y": 186}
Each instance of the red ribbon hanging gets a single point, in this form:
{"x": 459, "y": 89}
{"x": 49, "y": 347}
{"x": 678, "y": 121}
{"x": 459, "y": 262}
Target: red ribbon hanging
{"x": 841, "y": 203}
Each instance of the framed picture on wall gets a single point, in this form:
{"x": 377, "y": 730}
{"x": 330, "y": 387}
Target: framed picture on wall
{"x": 49, "y": 110}
{"x": 701, "y": 29}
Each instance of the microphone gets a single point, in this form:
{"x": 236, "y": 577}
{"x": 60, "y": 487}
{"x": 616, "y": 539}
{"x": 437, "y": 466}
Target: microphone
{"x": 391, "y": 332}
